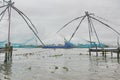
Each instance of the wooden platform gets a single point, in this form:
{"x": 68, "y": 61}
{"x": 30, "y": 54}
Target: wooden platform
{"x": 104, "y": 50}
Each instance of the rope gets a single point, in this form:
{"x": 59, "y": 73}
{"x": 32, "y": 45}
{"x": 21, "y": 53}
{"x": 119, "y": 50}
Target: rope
{"x": 3, "y": 12}
{"x": 28, "y": 25}
{"x": 106, "y": 25}
{"x": 95, "y": 31}
{"x": 107, "y": 20}
{"x": 28, "y": 19}
{"x": 77, "y": 28}
{"x": 3, "y": 6}
{"x": 69, "y": 23}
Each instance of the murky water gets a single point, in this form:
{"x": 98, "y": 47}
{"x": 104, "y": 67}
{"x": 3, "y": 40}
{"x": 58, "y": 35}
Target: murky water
{"x": 59, "y": 64}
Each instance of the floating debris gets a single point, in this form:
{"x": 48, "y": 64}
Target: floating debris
{"x": 97, "y": 59}
{"x": 5, "y": 77}
{"x": 43, "y": 56}
{"x": 107, "y": 66}
{"x": 66, "y": 68}
{"x": 52, "y": 72}
{"x": 69, "y": 57}
{"x": 80, "y": 54}
{"x": 56, "y": 67}
{"x": 57, "y": 55}
{"x": 29, "y": 68}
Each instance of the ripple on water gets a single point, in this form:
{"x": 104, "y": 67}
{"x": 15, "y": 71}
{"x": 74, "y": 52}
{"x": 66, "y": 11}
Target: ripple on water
{"x": 59, "y": 64}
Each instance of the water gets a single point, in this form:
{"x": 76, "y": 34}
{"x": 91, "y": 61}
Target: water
{"x": 59, "y": 64}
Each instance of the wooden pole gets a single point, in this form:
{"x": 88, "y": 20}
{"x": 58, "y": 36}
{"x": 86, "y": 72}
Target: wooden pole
{"x": 8, "y": 48}
{"x": 118, "y": 54}
{"x": 9, "y": 18}
{"x": 89, "y": 52}
{"x": 6, "y": 54}
{"x": 89, "y": 27}
{"x": 111, "y": 54}
{"x": 103, "y": 52}
{"x": 96, "y": 49}
{"x": 11, "y": 50}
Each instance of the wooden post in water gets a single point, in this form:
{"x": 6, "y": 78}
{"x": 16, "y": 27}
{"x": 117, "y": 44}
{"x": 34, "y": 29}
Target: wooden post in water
{"x": 118, "y": 53}
{"x": 103, "y": 52}
{"x": 89, "y": 52}
{"x": 96, "y": 49}
{"x": 111, "y": 54}
{"x": 8, "y": 53}
{"x": 118, "y": 57}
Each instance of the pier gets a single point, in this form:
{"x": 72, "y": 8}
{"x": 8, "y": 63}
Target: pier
{"x": 105, "y": 51}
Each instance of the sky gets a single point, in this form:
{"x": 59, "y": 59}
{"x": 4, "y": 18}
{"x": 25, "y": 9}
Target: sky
{"x": 50, "y": 15}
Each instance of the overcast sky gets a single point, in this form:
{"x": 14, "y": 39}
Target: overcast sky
{"x": 50, "y": 15}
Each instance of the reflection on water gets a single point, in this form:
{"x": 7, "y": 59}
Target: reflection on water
{"x": 5, "y": 70}
{"x": 102, "y": 68}
{"x": 59, "y": 64}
